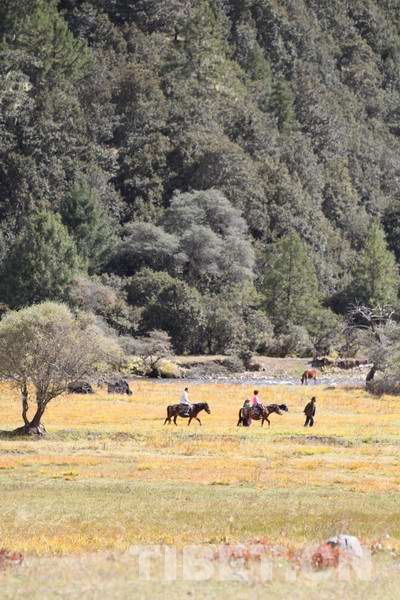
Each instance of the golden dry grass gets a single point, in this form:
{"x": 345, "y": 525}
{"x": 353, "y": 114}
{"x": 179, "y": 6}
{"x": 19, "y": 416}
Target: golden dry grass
{"x": 353, "y": 449}
{"x": 110, "y": 474}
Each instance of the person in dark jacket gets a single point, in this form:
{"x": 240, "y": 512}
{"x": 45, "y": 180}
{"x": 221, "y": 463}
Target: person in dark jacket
{"x": 309, "y": 411}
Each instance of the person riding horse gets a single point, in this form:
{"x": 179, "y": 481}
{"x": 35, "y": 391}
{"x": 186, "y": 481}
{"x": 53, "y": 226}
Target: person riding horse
{"x": 256, "y": 403}
{"x": 175, "y": 410}
{"x": 185, "y": 403}
{"x": 247, "y": 413}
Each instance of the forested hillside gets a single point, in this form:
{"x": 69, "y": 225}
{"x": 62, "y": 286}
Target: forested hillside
{"x": 227, "y": 171}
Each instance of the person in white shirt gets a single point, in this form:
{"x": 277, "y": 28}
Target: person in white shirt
{"x": 185, "y": 402}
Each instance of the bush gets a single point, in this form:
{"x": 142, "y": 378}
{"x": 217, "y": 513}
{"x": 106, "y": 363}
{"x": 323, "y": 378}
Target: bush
{"x": 294, "y": 342}
{"x": 169, "y": 370}
{"x": 133, "y": 366}
{"x": 385, "y": 385}
{"x": 234, "y": 364}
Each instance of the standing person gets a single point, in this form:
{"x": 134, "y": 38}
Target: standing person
{"x": 185, "y": 402}
{"x": 309, "y": 411}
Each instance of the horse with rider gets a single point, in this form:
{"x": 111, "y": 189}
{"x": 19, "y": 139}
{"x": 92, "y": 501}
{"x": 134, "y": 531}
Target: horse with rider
{"x": 257, "y": 411}
{"x": 185, "y": 409}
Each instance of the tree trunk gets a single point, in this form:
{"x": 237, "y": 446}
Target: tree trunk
{"x": 371, "y": 374}
{"x": 25, "y": 404}
{"x": 33, "y": 427}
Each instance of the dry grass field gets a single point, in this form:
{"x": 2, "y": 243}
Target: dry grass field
{"x": 109, "y": 476}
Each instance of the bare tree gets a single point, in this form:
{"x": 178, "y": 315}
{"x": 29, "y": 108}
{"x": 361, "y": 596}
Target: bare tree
{"x": 376, "y": 323}
{"x": 45, "y": 347}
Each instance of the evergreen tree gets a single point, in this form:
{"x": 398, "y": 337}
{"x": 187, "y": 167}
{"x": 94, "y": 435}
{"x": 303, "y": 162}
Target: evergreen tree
{"x": 89, "y": 225}
{"x": 376, "y": 276}
{"x": 41, "y": 262}
{"x": 282, "y": 105}
{"x": 290, "y": 284}
{"x": 391, "y": 224}
{"x": 56, "y": 54}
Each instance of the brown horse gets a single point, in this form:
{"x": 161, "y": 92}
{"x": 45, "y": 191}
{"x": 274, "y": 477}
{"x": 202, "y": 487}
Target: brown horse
{"x": 309, "y": 374}
{"x": 261, "y": 415}
{"x": 180, "y": 410}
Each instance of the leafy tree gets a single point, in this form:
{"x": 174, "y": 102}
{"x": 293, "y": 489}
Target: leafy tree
{"x": 215, "y": 250}
{"x": 94, "y": 296}
{"x": 144, "y": 245}
{"x": 294, "y": 341}
{"x": 170, "y": 305}
{"x": 234, "y": 323}
{"x": 89, "y": 225}
{"x": 376, "y": 276}
{"x": 47, "y": 347}
{"x": 146, "y": 286}
{"x": 290, "y": 283}
{"x": 41, "y": 263}
{"x": 222, "y": 326}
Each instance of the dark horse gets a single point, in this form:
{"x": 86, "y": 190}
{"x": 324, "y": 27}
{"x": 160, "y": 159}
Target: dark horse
{"x": 180, "y": 410}
{"x": 309, "y": 374}
{"x": 254, "y": 413}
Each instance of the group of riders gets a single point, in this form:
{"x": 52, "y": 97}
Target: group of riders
{"x": 253, "y": 408}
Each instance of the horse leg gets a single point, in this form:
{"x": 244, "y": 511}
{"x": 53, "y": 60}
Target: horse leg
{"x": 190, "y": 420}
{"x": 269, "y": 422}
{"x": 197, "y": 419}
{"x": 167, "y": 420}
{"x": 175, "y": 423}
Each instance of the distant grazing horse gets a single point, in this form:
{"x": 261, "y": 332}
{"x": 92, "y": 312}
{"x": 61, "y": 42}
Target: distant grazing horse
{"x": 254, "y": 413}
{"x": 309, "y": 374}
{"x": 179, "y": 410}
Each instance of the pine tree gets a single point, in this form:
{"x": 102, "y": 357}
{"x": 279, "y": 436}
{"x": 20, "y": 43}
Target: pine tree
{"x": 41, "y": 262}
{"x": 89, "y": 225}
{"x": 290, "y": 284}
{"x": 376, "y": 277}
{"x": 58, "y": 55}
{"x": 282, "y": 105}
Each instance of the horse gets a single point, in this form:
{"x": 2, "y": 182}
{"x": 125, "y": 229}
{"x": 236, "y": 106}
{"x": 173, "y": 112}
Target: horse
{"x": 178, "y": 410}
{"x": 254, "y": 413}
{"x": 309, "y": 374}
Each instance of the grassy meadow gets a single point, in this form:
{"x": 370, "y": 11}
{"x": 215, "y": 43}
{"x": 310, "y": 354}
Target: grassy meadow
{"x": 110, "y": 475}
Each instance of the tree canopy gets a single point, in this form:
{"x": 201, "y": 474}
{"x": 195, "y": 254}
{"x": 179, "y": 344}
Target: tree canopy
{"x": 209, "y": 141}
{"x": 47, "y": 346}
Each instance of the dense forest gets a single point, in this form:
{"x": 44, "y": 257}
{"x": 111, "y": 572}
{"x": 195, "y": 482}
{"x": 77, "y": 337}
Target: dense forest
{"x": 226, "y": 171}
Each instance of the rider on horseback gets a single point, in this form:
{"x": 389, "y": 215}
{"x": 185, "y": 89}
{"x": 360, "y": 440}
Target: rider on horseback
{"x": 185, "y": 402}
{"x": 257, "y": 405}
